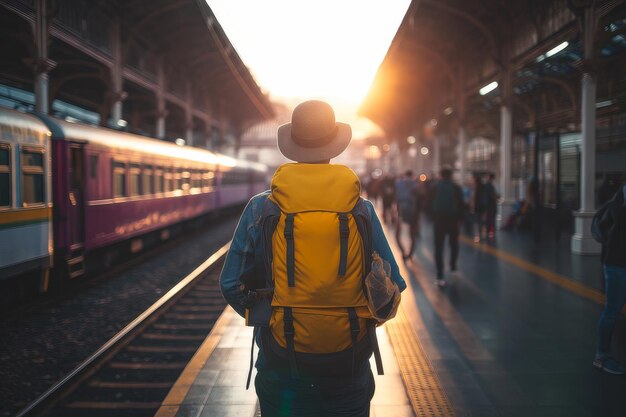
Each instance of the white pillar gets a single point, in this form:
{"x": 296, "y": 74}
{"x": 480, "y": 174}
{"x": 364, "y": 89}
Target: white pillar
{"x": 160, "y": 97}
{"x": 41, "y": 63}
{"x": 582, "y": 240}
{"x": 462, "y": 153}
{"x": 505, "y": 206}
{"x": 189, "y": 134}
{"x": 160, "y": 124}
{"x": 188, "y": 114}
{"x": 506, "y": 140}
{"x": 117, "y": 94}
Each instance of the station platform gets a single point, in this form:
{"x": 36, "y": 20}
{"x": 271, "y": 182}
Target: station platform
{"x": 513, "y": 334}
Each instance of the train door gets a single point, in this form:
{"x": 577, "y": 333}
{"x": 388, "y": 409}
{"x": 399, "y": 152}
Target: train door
{"x": 76, "y": 214}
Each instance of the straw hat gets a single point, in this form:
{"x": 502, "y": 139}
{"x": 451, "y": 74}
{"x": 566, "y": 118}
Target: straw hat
{"x": 313, "y": 134}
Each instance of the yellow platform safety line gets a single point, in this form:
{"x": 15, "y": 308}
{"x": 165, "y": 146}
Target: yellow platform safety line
{"x": 551, "y": 276}
{"x": 425, "y": 392}
{"x": 171, "y": 403}
{"x": 422, "y": 385}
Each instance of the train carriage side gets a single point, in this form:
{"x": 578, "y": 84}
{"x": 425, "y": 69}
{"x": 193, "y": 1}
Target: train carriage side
{"x": 25, "y": 198}
{"x": 113, "y": 187}
{"x": 239, "y": 180}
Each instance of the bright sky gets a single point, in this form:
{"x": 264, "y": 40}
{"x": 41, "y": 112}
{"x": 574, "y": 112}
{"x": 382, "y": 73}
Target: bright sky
{"x": 323, "y": 49}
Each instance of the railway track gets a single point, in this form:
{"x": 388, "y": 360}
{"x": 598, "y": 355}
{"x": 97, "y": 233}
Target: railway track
{"x": 132, "y": 373}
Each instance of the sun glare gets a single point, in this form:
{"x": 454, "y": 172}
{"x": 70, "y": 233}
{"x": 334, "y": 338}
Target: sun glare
{"x": 325, "y": 49}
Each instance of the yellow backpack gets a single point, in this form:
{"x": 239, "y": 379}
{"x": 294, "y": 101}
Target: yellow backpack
{"x": 317, "y": 248}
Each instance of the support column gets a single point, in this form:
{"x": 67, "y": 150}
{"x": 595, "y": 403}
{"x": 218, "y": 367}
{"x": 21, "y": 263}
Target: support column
{"x": 188, "y": 115}
{"x": 117, "y": 95}
{"x": 460, "y": 108}
{"x": 582, "y": 240}
{"x": 41, "y": 64}
{"x": 189, "y": 133}
{"x": 160, "y": 98}
{"x": 161, "y": 116}
{"x": 506, "y": 148}
{"x": 462, "y": 153}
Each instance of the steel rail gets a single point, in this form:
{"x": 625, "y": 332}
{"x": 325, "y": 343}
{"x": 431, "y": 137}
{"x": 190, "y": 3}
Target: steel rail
{"x": 195, "y": 274}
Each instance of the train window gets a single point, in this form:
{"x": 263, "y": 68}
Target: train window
{"x": 77, "y": 170}
{"x": 196, "y": 180}
{"x": 32, "y": 177}
{"x": 207, "y": 181}
{"x": 178, "y": 182}
{"x": 186, "y": 177}
{"x": 5, "y": 175}
{"x": 119, "y": 179}
{"x": 234, "y": 177}
{"x": 93, "y": 166}
{"x": 159, "y": 180}
{"x": 167, "y": 180}
{"x": 148, "y": 185}
{"x": 135, "y": 180}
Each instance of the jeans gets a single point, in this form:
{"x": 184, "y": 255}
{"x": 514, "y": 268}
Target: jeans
{"x": 615, "y": 288}
{"x": 280, "y": 396}
{"x": 446, "y": 225}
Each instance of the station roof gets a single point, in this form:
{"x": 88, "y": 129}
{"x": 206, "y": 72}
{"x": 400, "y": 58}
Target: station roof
{"x": 440, "y": 39}
{"x": 188, "y": 33}
{"x": 434, "y": 38}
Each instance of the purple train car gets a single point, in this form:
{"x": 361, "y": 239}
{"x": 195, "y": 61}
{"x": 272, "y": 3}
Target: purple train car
{"x": 111, "y": 187}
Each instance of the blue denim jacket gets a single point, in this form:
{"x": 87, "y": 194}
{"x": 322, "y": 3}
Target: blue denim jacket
{"x": 247, "y": 237}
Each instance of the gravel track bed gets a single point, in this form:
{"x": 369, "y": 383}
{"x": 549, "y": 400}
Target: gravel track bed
{"x": 42, "y": 346}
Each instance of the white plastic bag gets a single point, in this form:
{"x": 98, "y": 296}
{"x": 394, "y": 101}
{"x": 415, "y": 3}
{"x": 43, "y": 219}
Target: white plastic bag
{"x": 383, "y": 295}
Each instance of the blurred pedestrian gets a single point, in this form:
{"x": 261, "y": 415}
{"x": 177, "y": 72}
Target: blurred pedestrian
{"x": 609, "y": 226}
{"x": 388, "y": 194}
{"x": 407, "y": 202}
{"x": 490, "y": 196}
{"x": 478, "y": 206}
{"x": 447, "y": 215}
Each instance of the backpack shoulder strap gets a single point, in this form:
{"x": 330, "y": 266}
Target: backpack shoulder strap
{"x": 361, "y": 216}
{"x": 269, "y": 220}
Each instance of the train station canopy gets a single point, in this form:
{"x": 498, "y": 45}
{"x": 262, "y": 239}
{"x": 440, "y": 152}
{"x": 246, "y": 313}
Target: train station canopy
{"x": 176, "y": 46}
{"x": 445, "y": 51}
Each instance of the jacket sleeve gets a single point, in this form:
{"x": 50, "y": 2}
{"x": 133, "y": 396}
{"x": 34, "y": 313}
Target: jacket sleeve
{"x": 380, "y": 245}
{"x": 240, "y": 258}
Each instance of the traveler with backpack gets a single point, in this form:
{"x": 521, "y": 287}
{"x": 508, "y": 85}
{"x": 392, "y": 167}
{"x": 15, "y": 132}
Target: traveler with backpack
{"x": 448, "y": 214}
{"x": 609, "y": 228}
{"x": 296, "y": 270}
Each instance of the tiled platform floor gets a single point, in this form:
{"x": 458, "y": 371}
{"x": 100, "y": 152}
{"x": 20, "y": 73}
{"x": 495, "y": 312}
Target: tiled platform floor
{"x": 218, "y": 388}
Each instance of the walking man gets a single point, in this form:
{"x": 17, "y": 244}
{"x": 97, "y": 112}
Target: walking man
{"x": 447, "y": 217}
{"x": 302, "y": 241}
{"x": 610, "y": 222}
{"x": 408, "y": 210}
